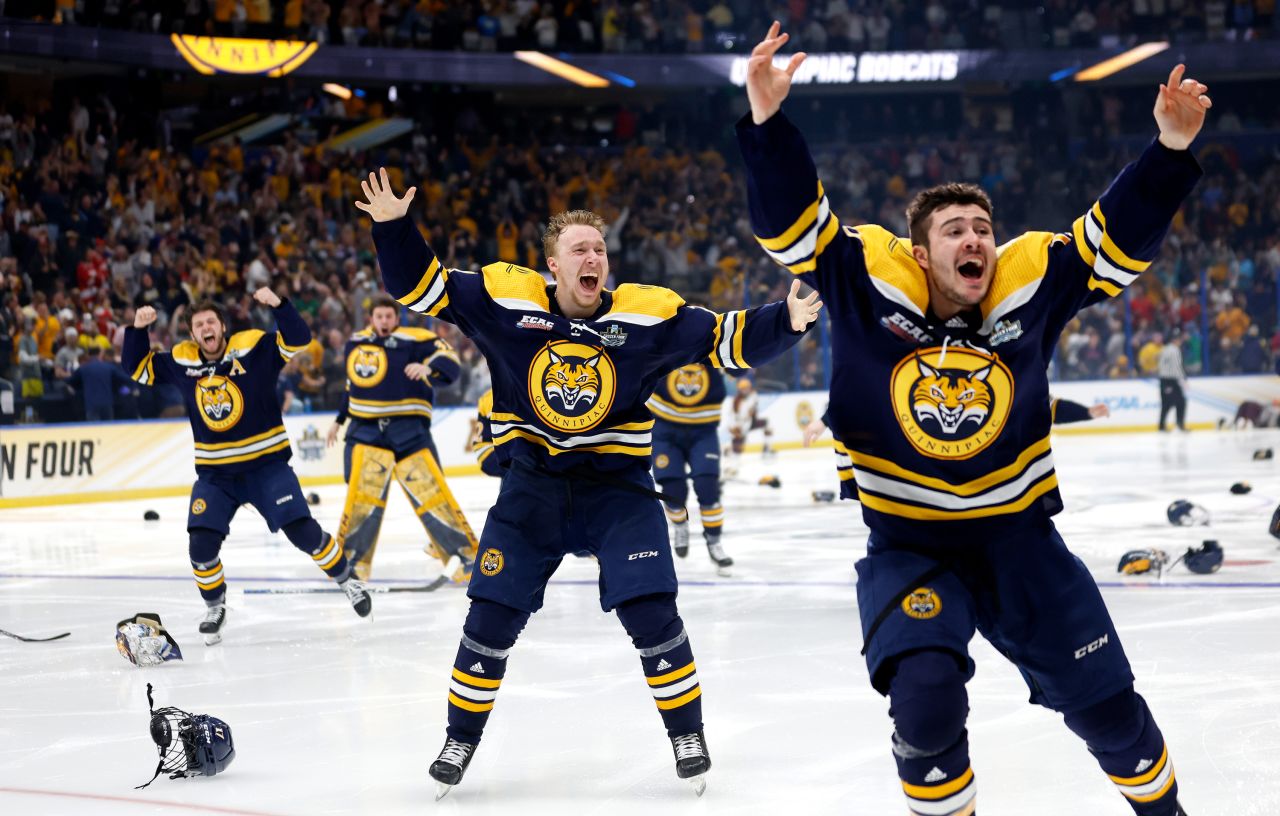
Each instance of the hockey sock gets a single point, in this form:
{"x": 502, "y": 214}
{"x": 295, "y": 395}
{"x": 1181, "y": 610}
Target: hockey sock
{"x": 203, "y": 548}
{"x": 929, "y": 705}
{"x": 707, "y": 489}
{"x": 324, "y": 549}
{"x": 1122, "y": 735}
{"x": 487, "y": 637}
{"x": 712, "y": 519}
{"x": 678, "y": 491}
{"x": 667, "y": 659}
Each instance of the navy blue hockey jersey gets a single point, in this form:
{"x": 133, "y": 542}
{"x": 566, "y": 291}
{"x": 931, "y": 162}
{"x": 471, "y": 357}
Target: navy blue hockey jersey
{"x": 571, "y": 392}
{"x": 377, "y": 386}
{"x": 690, "y": 395}
{"x": 231, "y": 403}
{"x": 947, "y": 422}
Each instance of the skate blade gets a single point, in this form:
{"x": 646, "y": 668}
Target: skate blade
{"x": 442, "y": 790}
{"x": 213, "y": 640}
{"x": 724, "y": 572}
{"x": 699, "y": 783}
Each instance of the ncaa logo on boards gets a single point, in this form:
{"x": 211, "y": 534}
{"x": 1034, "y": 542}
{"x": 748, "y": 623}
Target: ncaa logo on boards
{"x": 198, "y": 506}
{"x": 220, "y": 401}
{"x": 922, "y": 604}
{"x": 688, "y": 384}
{"x": 491, "y": 562}
{"x": 571, "y": 385}
{"x": 951, "y": 404}
{"x": 367, "y": 365}
{"x": 804, "y": 414}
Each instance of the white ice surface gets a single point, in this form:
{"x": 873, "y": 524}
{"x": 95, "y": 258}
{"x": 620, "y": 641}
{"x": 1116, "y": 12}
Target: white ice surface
{"x": 332, "y": 714}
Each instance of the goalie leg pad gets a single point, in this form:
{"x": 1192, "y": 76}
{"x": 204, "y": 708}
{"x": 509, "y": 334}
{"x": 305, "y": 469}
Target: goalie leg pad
{"x": 446, "y": 526}
{"x": 369, "y": 472}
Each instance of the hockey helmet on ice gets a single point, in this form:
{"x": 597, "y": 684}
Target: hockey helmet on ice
{"x": 189, "y": 744}
{"x": 1274, "y": 529}
{"x": 1183, "y": 513}
{"x": 1205, "y": 559}
{"x": 1137, "y": 562}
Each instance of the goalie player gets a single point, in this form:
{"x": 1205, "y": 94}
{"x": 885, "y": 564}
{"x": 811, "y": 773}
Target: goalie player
{"x": 391, "y": 371}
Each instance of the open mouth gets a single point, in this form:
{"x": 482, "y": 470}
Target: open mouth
{"x": 589, "y": 283}
{"x": 972, "y": 269}
{"x": 209, "y": 339}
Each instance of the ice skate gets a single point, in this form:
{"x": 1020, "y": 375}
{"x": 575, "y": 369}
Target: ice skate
{"x": 214, "y": 620}
{"x": 680, "y": 539}
{"x": 716, "y": 551}
{"x": 692, "y": 760}
{"x": 361, "y": 602}
{"x": 449, "y": 767}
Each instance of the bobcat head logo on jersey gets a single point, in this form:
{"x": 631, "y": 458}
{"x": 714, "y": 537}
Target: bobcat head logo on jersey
{"x": 922, "y": 603}
{"x": 688, "y": 384}
{"x": 220, "y": 401}
{"x": 571, "y": 385}
{"x": 953, "y": 402}
{"x": 367, "y": 365}
{"x": 951, "y": 397}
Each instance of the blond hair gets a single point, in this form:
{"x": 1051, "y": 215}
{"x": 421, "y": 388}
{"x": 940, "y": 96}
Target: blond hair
{"x": 562, "y": 221}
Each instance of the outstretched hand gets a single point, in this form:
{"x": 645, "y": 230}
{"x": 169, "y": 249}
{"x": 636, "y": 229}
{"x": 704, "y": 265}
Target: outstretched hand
{"x": 1180, "y": 109}
{"x": 768, "y": 86}
{"x": 804, "y": 310}
{"x": 383, "y": 204}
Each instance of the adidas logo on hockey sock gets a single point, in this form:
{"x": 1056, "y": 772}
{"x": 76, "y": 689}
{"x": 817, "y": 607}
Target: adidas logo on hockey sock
{"x": 662, "y": 664}
{"x": 1142, "y": 766}
{"x": 936, "y": 775}
{"x": 477, "y": 668}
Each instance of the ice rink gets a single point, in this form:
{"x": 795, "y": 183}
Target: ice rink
{"x": 333, "y": 714}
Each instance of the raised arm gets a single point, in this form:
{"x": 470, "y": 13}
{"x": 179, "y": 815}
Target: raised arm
{"x": 790, "y": 213}
{"x": 145, "y": 367}
{"x": 741, "y": 339}
{"x": 292, "y": 332}
{"x": 1120, "y": 235}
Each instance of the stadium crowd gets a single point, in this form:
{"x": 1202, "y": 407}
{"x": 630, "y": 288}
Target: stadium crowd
{"x": 678, "y": 26}
{"x": 95, "y": 221}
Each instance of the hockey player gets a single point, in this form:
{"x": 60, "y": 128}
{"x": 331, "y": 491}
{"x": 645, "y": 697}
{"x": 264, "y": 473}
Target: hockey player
{"x": 391, "y": 372}
{"x": 744, "y": 417}
{"x": 686, "y": 445}
{"x": 480, "y": 440}
{"x": 953, "y": 464}
{"x": 242, "y": 448}
{"x": 573, "y": 364}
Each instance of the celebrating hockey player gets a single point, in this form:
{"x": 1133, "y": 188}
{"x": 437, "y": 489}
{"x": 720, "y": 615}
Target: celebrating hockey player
{"x": 952, "y": 463}
{"x": 391, "y": 371}
{"x": 686, "y": 445}
{"x": 744, "y": 417}
{"x": 572, "y": 365}
{"x": 242, "y": 448}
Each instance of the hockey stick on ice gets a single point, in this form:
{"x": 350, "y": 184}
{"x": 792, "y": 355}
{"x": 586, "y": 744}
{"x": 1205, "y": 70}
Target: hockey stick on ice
{"x": 33, "y": 640}
{"x": 372, "y": 588}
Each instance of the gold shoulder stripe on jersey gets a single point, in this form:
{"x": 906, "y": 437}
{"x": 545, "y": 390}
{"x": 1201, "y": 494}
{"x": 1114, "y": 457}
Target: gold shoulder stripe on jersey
{"x": 516, "y": 287}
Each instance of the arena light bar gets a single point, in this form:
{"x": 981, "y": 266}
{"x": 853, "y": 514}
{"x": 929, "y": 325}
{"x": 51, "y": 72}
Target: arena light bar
{"x": 1121, "y": 61}
{"x": 340, "y": 91}
{"x": 562, "y": 69}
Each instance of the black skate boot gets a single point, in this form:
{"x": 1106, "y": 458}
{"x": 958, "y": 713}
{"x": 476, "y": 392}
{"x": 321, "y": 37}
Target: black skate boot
{"x": 716, "y": 551}
{"x": 211, "y": 627}
{"x": 361, "y": 602}
{"x": 452, "y": 763}
{"x": 692, "y": 759}
{"x": 1179, "y": 811}
{"x": 680, "y": 539}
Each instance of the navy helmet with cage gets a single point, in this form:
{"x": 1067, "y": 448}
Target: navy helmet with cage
{"x": 1183, "y": 513}
{"x": 189, "y": 744}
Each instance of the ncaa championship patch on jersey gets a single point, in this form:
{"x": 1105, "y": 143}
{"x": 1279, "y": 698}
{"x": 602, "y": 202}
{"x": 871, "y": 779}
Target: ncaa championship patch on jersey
{"x": 922, "y": 604}
{"x": 221, "y": 403}
{"x": 951, "y": 402}
{"x": 571, "y": 385}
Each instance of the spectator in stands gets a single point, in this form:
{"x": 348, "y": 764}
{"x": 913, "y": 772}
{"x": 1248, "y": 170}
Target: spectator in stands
{"x": 97, "y": 381}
